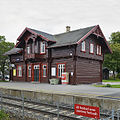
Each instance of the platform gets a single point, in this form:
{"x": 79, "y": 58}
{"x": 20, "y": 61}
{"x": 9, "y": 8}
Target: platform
{"x": 107, "y": 98}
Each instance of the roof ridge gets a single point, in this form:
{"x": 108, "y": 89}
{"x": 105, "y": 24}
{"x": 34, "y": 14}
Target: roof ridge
{"x": 74, "y": 30}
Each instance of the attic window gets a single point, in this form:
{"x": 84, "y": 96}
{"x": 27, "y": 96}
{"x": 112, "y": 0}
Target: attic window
{"x": 98, "y": 50}
{"x": 42, "y": 47}
{"x": 83, "y": 46}
{"x": 91, "y": 48}
{"x": 28, "y": 50}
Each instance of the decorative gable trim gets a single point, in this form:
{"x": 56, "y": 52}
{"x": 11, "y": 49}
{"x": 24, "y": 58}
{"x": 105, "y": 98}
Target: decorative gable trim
{"x": 85, "y": 36}
{"x": 27, "y": 29}
{"x": 97, "y": 31}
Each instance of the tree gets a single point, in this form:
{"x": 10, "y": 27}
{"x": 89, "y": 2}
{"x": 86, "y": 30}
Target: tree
{"x": 115, "y": 37}
{"x": 112, "y": 61}
{"x": 2, "y": 38}
{"x": 4, "y": 60}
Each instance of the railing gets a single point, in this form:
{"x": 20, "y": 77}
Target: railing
{"x": 23, "y": 108}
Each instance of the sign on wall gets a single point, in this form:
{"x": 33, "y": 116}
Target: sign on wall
{"x": 14, "y": 72}
{"x": 53, "y": 71}
{"x": 87, "y": 111}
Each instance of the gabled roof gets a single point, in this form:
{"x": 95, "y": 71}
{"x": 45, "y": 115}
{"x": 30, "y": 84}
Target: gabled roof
{"x": 13, "y": 51}
{"x": 72, "y": 37}
{"x": 45, "y": 36}
{"x": 67, "y": 38}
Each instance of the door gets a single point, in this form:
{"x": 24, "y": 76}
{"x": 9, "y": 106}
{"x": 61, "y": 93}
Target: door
{"x": 36, "y": 73}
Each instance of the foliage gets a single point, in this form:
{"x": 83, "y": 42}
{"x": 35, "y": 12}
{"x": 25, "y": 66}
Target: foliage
{"x": 108, "y": 85}
{"x": 4, "y": 116}
{"x": 112, "y": 86}
{"x": 2, "y": 38}
{"x": 112, "y": 61}
{"x": 4, "y": 60}
{"x": 115, "y": 37}
{"x": 111, "y": 80}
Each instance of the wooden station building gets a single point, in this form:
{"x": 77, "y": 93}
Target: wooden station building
{"x": 39, "y": 56}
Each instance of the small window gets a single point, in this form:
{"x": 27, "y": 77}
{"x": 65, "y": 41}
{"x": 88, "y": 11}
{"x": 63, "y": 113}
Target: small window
{"x": 29, "y": 70}
{"x": 44, "y": 68}
{"x": 61, "y": 69}
{"x": 19, "y": 71}
{"x": 91, "y": 48}
{"x": 83, "y": 46}
{"x": 28, "y": 50}
{"x": 99, "y": 50}
{"x": 42, "y": 47}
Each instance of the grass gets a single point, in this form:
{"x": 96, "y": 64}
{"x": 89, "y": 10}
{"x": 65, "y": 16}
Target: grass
{"x": 108, "y": 86}
{"x": 111, "y": 80}
{"x": 3, "y": 115}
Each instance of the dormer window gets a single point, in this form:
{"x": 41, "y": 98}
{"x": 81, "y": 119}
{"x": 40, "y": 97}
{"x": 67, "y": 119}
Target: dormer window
{"x": 28, "y": 49}
{"x": 99, "y": 50}
{"x": 83, "y": 46}
{"x": 91, "y": 48}
{"x": 42, "y": 47}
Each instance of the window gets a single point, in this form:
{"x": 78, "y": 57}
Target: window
{"x": 19, "y": 69}
{"x": 44, "y": 70}
{"x": 29, "y": 70}
{"x": 99, "y": 50}
{"x": 28, "y": 49}
{"x": 42, "y": 47}
{"x": 91, "y": 48}
{"x": 61, "y": 69}
{"x": 83, "y": 46}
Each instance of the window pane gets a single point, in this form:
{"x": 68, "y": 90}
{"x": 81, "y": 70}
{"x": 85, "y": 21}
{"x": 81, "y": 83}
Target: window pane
{"x": 91, "y": 48}
{"x": 29, "y": 71}
{"x": 97, "y": 49}
{"x": 19, "y": 71}
{"x": 61, "y": 69}
{"x": 44, "y": 70}
{"x": 83, "y": 46}
{"x": 42, "y": 47}
{"x": 28, "y": 50}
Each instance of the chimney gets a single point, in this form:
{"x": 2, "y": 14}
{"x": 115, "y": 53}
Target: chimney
{"x": 67, "y": 28}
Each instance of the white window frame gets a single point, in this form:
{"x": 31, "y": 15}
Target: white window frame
{"x": 91, "y": 48}
{"x": 42, "y": 47}
{"x": 99, "y": 50}
{"x": 19, "y": 68}
{"x": 61, "y": 69}
{"x": 83, "y": 46}
{"x": 29, "y": 70}
{"x": 44, "y": 68}
{"x": 28, "y": 49}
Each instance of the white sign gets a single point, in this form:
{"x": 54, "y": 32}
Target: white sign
{"x": 53, "y": 70}
{"x": 71, "y": 73}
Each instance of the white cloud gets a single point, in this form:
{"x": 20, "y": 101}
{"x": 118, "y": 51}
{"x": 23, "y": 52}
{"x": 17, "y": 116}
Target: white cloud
{"x": 53, "y": 15}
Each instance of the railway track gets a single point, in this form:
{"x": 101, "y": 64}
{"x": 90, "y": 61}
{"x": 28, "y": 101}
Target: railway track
{"x": 53, "y": 111}
{"x": 42, "y": 110}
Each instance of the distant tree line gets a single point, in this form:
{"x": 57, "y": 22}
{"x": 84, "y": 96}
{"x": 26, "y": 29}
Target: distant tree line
{"x": 112, "y": 61}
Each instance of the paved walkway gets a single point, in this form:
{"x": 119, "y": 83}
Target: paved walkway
{"x": 83, "y": 90}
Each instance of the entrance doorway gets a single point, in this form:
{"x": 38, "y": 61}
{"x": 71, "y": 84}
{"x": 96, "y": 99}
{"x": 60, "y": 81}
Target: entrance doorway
{"x": 36, "y": 69}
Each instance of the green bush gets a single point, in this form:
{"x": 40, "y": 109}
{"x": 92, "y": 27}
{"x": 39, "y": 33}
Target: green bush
{"x": 108, "y": 85}
{"x": 118, "y": 75}
{"x": 4, "y": 116}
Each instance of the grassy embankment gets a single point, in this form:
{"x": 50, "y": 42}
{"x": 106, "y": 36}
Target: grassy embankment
{"x": 109, "y": 85}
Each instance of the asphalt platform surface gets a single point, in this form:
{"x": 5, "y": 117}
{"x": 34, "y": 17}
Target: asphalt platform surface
{"x": 82, "y": 90}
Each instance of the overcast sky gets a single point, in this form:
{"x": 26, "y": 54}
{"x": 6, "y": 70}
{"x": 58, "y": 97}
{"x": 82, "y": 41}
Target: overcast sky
{"x": 53, "y": 16}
